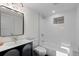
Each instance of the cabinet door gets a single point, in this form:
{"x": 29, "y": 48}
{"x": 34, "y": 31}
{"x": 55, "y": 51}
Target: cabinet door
{"x": 27, "y": 50}
{"x": 11, "y": 22}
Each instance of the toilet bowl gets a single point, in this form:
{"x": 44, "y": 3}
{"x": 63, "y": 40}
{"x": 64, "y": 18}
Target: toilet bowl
{"x": 41, "y": 51}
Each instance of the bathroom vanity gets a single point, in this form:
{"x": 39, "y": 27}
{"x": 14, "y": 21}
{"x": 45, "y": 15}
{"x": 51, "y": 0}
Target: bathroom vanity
{"x": 12, "y": 24}
{"x": 19, "y": 45}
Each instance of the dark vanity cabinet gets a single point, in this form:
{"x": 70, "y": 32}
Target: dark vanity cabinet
{"x": 22, "y": 50}
{"x": 27, "y": 50}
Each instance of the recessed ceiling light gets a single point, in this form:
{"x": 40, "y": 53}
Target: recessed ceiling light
{"x": 53, "y": 11}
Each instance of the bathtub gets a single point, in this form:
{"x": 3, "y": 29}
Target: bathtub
{"x": 52, "y": 48}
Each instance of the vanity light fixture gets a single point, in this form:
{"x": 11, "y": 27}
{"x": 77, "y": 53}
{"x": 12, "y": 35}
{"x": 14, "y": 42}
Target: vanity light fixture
{"x": 15, "y": 6}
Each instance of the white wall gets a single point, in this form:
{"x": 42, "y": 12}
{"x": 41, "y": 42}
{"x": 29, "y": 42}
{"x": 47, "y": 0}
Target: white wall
{"x": 31, "y": 24}
{"x": 55, "y": 35}
{"x": 76, "y": 41}
{"x": 77, "y": 28}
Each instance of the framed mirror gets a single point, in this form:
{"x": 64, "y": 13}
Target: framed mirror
{"x": 11, "y": 22}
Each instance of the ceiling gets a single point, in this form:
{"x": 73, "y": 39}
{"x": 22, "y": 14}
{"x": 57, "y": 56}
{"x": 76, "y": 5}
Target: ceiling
{"x": 45, "y": 9}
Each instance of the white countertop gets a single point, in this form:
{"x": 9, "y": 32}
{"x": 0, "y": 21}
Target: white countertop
{"x": 10, "y": 45}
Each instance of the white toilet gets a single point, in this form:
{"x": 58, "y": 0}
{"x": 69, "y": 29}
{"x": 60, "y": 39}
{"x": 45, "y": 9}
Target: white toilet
{"x": 41, "y": 51}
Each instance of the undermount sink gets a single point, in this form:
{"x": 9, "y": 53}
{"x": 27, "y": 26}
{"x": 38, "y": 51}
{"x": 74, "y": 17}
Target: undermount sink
{"x": 9, "y": 44}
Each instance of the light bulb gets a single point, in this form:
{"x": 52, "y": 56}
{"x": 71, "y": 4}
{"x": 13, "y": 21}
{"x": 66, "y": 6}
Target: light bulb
{"x": 53, "y": 11}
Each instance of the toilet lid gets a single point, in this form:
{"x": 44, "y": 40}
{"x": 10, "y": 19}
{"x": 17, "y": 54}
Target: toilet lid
{"x": 40, "y": 50}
